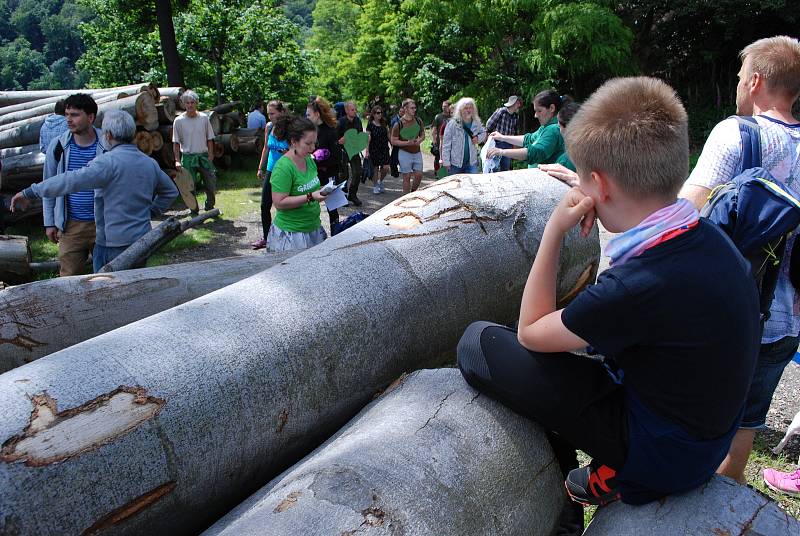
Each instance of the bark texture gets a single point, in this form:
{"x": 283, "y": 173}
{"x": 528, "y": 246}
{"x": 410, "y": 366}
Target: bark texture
{"x": 431, "y": 456}
{"x": 241, "y": 383}
{"x": 39, "y": 318}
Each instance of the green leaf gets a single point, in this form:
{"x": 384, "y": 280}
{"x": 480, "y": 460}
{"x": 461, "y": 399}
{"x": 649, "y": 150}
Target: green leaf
{"x": 355, "y": 142}
{"x": 410, "y": 132}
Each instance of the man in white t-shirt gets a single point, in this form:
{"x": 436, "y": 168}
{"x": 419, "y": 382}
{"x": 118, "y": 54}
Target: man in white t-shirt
{"x": 769, "y": 83}
{"x": 193, "y": 144}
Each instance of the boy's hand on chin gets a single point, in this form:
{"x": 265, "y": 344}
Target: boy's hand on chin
{"x": 575, "y": 208}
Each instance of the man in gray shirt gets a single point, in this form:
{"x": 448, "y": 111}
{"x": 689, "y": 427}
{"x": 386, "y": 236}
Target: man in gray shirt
{"x": 129, "y": 189}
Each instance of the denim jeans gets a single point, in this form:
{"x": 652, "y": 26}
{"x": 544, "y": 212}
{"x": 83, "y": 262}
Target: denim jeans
{"x": 452, "y": 170}
{"x": 102, "y": 255}
{"x": 772, "y": 359}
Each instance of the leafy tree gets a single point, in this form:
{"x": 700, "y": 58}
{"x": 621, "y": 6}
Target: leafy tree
{"x": 20, "y": 64}
{"x": 333, "y": 37}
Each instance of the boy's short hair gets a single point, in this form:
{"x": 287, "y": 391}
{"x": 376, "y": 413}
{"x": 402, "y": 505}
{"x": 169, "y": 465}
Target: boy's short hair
{"x": 59, "y": 108}
{"x": 777, "y": 59}
{"x": 635, "y": 130}
{"x": 82, "y": 102}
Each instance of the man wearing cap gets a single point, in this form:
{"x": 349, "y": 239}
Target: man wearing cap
{"x": 504, "y": 121}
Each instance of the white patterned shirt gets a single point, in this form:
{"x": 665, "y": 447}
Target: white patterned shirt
{"x": 721, "y": 160}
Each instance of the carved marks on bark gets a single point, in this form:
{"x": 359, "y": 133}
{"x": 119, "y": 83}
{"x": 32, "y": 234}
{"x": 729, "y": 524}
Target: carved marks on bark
{"x": 53, "y": 436}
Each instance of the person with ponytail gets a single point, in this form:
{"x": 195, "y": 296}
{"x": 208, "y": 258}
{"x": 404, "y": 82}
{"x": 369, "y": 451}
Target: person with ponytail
{"x": 295, "y": 189}
{"x": 275, "y": 145}
{"x": 544, "y": 146}
{"x": 328, "y": 153}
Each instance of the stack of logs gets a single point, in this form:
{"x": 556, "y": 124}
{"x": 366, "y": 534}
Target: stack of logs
{"x": 22, "y": 114}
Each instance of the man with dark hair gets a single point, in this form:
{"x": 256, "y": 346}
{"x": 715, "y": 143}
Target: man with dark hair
{"x": 256, "y": 118}
{"x": 69, "y": 219}
{"x": 131, "y": 189}
{"x": 54, "y": 126}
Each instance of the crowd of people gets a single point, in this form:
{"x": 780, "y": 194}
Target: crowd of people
{"x": 688, "y": 371}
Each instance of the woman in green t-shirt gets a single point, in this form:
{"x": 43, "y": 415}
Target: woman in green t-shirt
{"x": 564, "y": 170}
{"x": 545, "y": 145}
{"x": 295, "y": 191}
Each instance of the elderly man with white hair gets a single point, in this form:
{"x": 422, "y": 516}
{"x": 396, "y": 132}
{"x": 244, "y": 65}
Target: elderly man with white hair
{"x": 129, "y": 188}
{"x": 193, "y": 145}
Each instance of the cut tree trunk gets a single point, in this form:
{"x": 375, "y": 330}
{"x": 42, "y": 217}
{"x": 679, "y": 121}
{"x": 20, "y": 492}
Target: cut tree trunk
{"x": 143, "y": 141}
{"x": 15, "y": 119}
{"x": 34, "y": 211}
{"x": 22, "y": 170}
{"x": 430, "y": 456}
{"x": 230, "y": 142}
{"x": 237, "y": 118}
{"x": 156, "y": 141}
{"x": 14, "y": 151}
{"x": 173, "y": 91}
{"x": 167, "y": 154}
{"x": 140, "y": 251}
{"x": 227, "y": 124}
{"x": 15, "y": 259}
{"x": 225, "y": 107}
{"x": 197, "y": 407}
{"x": 43, "y": 317}
{"x": 166, "y": 111}
{"x": 219, "y": 150}
{"x": 250, "y": 145}
{"x": 216, "y": 122}
{"x": 250, "y": 132}
{"x": 10, "y": 98}
{"x": 141, "y": 107}
{"x": 722, "y": 506}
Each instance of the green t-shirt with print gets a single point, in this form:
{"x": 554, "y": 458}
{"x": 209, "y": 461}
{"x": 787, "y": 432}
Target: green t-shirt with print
{"x": 287, "y": 179}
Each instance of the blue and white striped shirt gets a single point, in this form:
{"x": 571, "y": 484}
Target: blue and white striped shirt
{"x": 80, "y": 205}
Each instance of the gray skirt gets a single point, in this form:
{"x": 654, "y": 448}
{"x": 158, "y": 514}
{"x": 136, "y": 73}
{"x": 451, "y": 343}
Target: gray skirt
{"x": 280, "y": 240}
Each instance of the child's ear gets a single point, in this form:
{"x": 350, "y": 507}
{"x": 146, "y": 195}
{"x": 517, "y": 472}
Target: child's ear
{"x": 601, "y": 184}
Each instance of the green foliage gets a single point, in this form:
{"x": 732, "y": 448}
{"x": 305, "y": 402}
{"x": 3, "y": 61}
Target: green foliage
{"x": 231, "y": 50}
{"x": 40, "y": 43}
{"x": 300, "y": 12}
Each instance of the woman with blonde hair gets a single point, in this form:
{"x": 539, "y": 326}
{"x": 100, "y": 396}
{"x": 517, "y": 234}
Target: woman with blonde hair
{"x": 463, "y": 133}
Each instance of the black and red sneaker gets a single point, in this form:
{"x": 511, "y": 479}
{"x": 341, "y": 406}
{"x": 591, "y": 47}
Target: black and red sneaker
{"x": 592, "y": 486}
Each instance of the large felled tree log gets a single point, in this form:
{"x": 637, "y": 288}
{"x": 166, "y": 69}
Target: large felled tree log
{"x": 250, "y": 145}
{"x": 140, "y": 251}
{"x": 15, "y": 259}
{"x": 13, "y": 98}
{"x": 431, "y": 456}
{"x": 14, "y": 151}
{"x": 20, "y": 171}
{"x": 140, "y": 106}
{"x": 166, "y": 111}
{"x": 230, "y": 142}
{"x": 720, "y": 507}
{"x": 143, "y": 141}
{"x": 195, "y": 408}
{"x": 156, "y": 141}
{"x": 20, "y": 118}
{"x": 34, "y": 211}
{"x": 39, "y": 318}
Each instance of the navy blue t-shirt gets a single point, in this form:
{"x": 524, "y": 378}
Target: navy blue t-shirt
{"x": 681, "y": 322}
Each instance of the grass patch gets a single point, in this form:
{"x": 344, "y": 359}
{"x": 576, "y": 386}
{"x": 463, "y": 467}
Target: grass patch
{"x": 189, "y": 239}
{"x": 762, "y": 458}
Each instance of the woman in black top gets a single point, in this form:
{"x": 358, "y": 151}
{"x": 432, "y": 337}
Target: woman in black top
{"x": 327, "y": 155}
{"x": 378, "y": 149}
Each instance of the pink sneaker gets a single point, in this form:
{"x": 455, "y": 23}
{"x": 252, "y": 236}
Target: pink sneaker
{"x": 259, "y": 244}
{"x": 788, "y": 483}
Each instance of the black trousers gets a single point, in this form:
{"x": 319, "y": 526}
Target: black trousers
{"x": 394, "y": 161}
{"x": 571, "y": 396}
{"x": 266, "y": 204}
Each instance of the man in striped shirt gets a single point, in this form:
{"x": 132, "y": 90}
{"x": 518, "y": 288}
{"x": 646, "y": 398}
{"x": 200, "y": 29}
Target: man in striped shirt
{"x": 69, "y": 220}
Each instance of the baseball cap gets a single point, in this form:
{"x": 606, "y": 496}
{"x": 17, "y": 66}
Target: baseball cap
{"x": 512, "y": 100}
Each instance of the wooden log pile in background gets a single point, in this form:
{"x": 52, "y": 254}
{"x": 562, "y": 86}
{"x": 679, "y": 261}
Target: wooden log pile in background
{"x": 22, "y": 114}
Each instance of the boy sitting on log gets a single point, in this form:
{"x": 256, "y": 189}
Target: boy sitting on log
{"x": 675, "y": 316}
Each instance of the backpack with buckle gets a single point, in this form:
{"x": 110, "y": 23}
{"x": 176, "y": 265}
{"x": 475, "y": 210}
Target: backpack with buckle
{"x": 759, "y": 214}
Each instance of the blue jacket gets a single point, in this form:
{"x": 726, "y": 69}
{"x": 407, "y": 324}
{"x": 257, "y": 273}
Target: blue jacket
{"x": 132, "y": 188}
{"x": 54, "y": 210}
